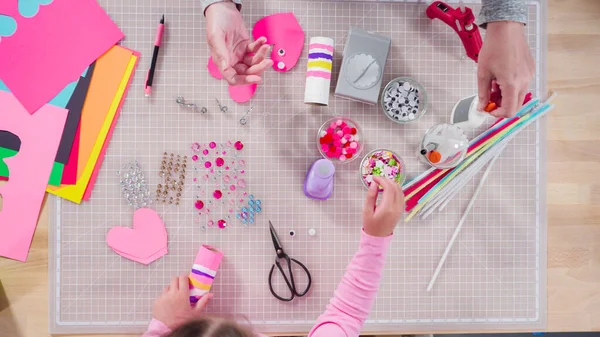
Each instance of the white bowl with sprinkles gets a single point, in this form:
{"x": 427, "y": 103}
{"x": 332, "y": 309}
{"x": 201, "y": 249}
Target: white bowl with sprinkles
{"x": 382, "y": 163}
{"x": 404, "y": 100}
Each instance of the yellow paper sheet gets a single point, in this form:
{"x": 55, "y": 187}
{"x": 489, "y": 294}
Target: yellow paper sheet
{"x": 75, "y": 192}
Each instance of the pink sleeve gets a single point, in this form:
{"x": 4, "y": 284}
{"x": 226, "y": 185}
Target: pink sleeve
{"x": 157, "y": 328}
{"x": 351, "y": 304}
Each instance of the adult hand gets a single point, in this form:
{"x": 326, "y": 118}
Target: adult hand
{"x": 380, "y": 220}
{"x": 239, "y": 61}
{"x": 505, "y": 57}
{"x": 173, "y": 307}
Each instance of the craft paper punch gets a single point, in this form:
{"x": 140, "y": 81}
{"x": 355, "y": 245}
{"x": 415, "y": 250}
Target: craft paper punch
{"x": 362, "y": 68}
{"x": 319, "y": 180}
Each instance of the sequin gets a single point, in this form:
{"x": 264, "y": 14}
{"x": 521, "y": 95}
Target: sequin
{"x": 199, "y": 204}
{"x": 238, "y": 145}
{"x": 207, "y": 164}
{"x": 242, "y": 171}
{"x": 195, "y": 147}
{"x": 211, "y": 223}
{"x": 226, "y": 178}
{"x": 212, "y": 145}
{"x": 194, "y": 157}
{"x": 226, "y": 168}
{"x": 219, "y": 162}
{"x": 232, "y": 187}
{"x": 217, "y": 194}
{"x": 242, "y": 162}
{"x": 205, "y": 152}
{"x": 241, "y": 183}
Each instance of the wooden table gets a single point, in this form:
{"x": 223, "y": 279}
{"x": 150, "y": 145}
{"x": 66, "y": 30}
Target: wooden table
{"x": 573, "y": 191}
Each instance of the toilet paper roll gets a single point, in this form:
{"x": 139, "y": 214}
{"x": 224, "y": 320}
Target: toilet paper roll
{"x": 204, "y": 271}
{"x": 318, "y": 72}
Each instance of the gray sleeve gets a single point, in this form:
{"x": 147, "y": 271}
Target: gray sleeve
{"x": 503, "y": 10}
{"x": 206, "y": 3}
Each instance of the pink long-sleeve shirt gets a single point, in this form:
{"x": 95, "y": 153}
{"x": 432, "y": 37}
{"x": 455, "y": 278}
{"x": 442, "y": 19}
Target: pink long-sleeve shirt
{"x": 351, "y": 304}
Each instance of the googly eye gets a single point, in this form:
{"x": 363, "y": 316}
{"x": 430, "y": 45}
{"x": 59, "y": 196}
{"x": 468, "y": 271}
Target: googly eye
{"x": 281, "y": 52}
{"x": 292, "y": 233}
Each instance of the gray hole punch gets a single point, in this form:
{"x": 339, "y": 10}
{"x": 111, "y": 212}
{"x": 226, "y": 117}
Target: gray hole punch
{"x": 363, "y": 63}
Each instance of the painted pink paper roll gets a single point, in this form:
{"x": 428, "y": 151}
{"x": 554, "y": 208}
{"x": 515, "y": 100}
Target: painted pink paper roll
{"x": 204, "y": 271}
{"x": 318, "y": 71}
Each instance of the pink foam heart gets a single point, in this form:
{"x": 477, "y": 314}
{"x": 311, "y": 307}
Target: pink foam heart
{"x": 284, "y": 33}
{"x": 145, "y": 242}
{"x": 239, "y": 93}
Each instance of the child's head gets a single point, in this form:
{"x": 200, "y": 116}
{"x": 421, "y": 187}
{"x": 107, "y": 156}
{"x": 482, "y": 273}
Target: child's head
{"x": 211, "y": 327}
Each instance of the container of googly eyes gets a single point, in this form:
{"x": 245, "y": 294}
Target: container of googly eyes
{"x": 443, "y": 146}
{"x": 404, "y": 100}
{"x": 382, "y": 163}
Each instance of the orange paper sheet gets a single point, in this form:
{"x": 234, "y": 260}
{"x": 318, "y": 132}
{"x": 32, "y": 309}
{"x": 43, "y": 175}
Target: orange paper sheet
{"x": 108, "y": 84}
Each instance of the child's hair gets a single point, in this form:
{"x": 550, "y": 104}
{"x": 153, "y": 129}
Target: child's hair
{"x": 211, "y": 327}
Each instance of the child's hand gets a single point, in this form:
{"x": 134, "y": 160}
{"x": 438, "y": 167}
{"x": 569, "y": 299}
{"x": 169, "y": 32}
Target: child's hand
{"x": 240, "y": 61}
{"x": 173, "y": 307}
{"x": 382, "y": 219}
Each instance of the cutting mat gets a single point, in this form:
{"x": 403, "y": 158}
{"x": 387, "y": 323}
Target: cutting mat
{"x": 494, "y": 277}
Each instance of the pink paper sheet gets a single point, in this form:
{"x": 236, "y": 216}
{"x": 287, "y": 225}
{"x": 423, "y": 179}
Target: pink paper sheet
{"x": 52, "y": 48}
{"x": 30, "y": 169}
{"x": 145, "y": 242}
{"x": 70, "y": 171}
{"x": 238, "y": 93}
{"x": 285, "y": 34}
{"x": 92, "y": 182}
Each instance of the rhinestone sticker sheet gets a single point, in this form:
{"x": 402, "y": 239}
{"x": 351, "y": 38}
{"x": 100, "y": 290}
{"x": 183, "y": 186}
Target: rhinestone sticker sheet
{"x": 494, "y": 277}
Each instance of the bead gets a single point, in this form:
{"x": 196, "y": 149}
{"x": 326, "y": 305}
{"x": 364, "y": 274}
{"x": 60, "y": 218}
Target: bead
{"x": 219, "y": 162}
{"x": 217, "y": 194}
{"x": 232, "y": 187}
{"x": 238, "y": 145}
{"x": 199, "y": 204}
{"x": 312, "y": 232}
{"x": 212, "y": 145}
{"x": 194, "y": 157}
{"x": 222, "y": 223}
{"x": 207, "y": 164}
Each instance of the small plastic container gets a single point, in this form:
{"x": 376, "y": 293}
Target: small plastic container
{"x": 340, "y": 140}
{"x": 382, "y": 162}
{"x": 394, "y": 104}
{"x": 443, "y": 146}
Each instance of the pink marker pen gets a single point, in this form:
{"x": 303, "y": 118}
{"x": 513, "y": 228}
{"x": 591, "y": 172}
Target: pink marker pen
{"x": 157, "y": 42}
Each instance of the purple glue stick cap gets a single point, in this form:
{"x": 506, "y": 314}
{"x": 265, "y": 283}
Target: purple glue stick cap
{"x": 319, "y": 180}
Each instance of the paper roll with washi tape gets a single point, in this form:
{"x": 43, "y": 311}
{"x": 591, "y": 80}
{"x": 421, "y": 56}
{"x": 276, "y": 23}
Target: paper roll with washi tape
{"x": 204, "y": 271}
{"x": 318, "y": 72}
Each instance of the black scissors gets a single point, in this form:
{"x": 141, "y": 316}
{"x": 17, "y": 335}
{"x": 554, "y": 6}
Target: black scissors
{"x": 289, "y": 281}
